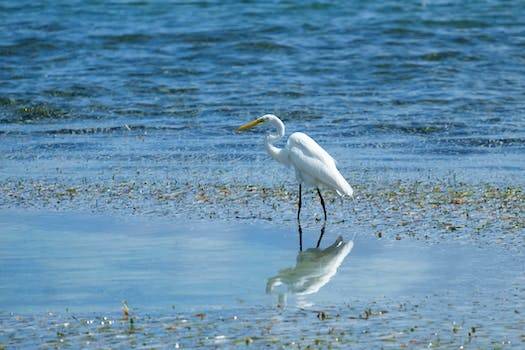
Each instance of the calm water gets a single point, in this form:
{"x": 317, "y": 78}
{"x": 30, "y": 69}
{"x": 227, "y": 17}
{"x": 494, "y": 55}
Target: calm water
{"x": 63, "y": 278}
{"x": 90, "y": 90}
{"x": 50, "y": 262}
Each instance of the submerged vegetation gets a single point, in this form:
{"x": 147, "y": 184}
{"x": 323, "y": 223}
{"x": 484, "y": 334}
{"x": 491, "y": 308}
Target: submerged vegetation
{"x": 386, "y": 324}
{"x": 128, "y": 108}
{"x": 429, "y": 211}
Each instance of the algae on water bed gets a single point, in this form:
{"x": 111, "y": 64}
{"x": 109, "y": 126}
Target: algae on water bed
{"x": 142, "y": 126}
{"x": 167, "y": 267}
{"x": 391, "y": 324}
{"x": 432, "y": 211}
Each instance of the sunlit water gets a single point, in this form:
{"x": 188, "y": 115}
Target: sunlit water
{"x": 64, "y": 277}
{"x": 87, "y": 263}
{"x": 152, "y": 91}
{"x": 92, "y": 90}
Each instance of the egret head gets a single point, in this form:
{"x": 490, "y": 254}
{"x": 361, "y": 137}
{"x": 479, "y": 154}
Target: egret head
{"x": 256, "y": 122}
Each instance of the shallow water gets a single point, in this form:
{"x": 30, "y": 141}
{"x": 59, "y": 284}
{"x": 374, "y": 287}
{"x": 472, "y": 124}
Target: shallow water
{"x": 85, "y": 263}
{"x": 91, "y": 90}
{"x": 67, "y": 273}
{"x": 129, "y": 108}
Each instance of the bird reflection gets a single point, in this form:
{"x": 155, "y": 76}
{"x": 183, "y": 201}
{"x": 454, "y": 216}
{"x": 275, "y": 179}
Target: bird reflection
{"x": 313, "y": 269}
{"x": 300, "y": 230}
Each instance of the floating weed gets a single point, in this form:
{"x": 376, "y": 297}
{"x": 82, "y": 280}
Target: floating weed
{"x": 37, "y": 112}
{"x": 450, "y": 227}
{"x": 480, "y": 212}
{"x": 293, "y": 330}
{"x": 125, "y": 310}
{"x": 131, "y": 328}
{"x": 455, "y": 328}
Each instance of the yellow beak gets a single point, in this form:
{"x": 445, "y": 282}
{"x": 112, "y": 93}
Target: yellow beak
{"x": 250, "y": 125}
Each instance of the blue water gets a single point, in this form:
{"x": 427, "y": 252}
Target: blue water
{"x": 92, "y": 89}
{"x": 53, "y": 262}
{"x": 64, "y": 277}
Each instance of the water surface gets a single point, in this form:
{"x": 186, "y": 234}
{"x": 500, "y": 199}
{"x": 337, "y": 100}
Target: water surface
{"x": 88, "y": 263}
{"x": 90, "y": 91}
{"x": 63, "y": 279}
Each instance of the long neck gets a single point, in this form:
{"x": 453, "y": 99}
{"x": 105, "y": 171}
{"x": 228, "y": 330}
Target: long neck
{"x": 279, "y": 154}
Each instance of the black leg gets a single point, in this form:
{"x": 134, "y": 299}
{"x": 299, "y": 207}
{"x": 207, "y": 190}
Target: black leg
{"x": 322, "y": 203}
{"x": 300, "y": 202}
{"x": 321, "y": 235}
{"x": 300, "y": 230}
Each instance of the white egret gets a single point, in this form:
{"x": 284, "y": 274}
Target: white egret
{"x": 313, "y": 165}
{"x": 314, "y": 268}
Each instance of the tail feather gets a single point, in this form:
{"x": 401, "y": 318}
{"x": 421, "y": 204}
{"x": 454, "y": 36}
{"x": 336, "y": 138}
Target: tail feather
{"x": 342, "y": 187}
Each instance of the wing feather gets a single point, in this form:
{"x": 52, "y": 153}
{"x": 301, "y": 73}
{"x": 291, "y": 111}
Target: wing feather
{"x": 309, "y": 147}
{"x": 311, "y": 159}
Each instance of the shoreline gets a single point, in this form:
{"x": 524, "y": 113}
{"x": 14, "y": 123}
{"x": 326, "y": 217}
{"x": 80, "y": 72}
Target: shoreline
{"x": 431, "y": 211}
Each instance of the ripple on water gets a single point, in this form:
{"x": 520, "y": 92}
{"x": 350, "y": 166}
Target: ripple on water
{"x": 29, "y": 47}
{"x": 374, "y": 74}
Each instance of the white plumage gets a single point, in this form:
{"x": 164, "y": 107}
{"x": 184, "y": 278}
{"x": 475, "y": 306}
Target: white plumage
{"x": 313, "y": 165}
{"x": 313, "y": 269}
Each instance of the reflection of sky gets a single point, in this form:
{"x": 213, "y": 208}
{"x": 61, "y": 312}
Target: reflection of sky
{"x": 54, "y": 261}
